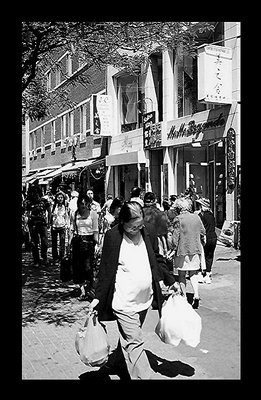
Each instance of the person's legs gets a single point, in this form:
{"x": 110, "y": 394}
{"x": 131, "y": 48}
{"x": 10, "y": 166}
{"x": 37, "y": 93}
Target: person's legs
{"x": 133, "y": 345}
{"x": 34, "y": 243}
{"x": 54, "y": 234}
{"x": 44, "y": 242}
{"x": 182, "y": 281}
{"x": 194, "y": 282}
{"x": 209, "y": 256}
{"x": 62, "y": 243}
{"x": 193, "y": 276}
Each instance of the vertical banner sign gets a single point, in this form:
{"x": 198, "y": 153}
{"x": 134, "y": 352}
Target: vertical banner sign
{"x": 152, "y": 132}
{"x": 215, "y": 74}
{"x": 148, "y": 120}
{"x": 101, "y": 115}
{"x": 231, "y": 158}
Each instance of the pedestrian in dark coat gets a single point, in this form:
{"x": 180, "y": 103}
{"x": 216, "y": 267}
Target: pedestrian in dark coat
{"x": 129, "y": 279}
{"x": 209, "y": 223}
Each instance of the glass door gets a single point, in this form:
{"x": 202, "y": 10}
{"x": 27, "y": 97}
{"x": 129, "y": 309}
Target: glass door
{"x": 197, "y": 178}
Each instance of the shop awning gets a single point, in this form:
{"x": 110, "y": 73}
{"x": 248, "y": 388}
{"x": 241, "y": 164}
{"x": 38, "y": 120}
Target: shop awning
{"x": 134, "y": 157}
{"x": 36, "y": 174}
{"x": 68, "y": 169}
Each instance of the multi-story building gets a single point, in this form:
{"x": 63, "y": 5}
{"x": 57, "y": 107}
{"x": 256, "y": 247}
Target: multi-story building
{"x": 165, "y": 139}
{"x": 60, "y": 148}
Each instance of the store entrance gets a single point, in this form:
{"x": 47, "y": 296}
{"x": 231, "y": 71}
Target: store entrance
{"x": 207, "y": 179}
{"x": 197, "y": 178}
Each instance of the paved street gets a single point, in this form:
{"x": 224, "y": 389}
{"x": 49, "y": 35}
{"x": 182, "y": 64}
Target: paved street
{"x": 51, "y": 316}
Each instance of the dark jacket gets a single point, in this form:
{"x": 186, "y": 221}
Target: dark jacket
{"x": 208, "y": 220}
{"x": 109, "y": 264}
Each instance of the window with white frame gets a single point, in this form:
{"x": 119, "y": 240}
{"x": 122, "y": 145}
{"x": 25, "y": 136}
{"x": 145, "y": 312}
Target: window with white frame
{"x": 58, "y": 75}
{"x": 49, "y": 81}
{"x": 128, "y": 96}
{"x": 31, "y": 143}
{"x": 71, "y": 123}
{"x": 83, "y": 121}
{"x": 53, "y": 133}
{"x": 187, "y": 76}
{"x": 68, "y": 64}
{"x": 63, "y": 129}
{"x": 43, "y": 139}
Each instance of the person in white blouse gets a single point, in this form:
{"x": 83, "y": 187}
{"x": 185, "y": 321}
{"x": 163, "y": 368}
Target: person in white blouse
{"x": 84, "y": 240}
{"x": 129, "y": 280}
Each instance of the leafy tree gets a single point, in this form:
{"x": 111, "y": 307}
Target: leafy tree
{"x": 125, "y": 45}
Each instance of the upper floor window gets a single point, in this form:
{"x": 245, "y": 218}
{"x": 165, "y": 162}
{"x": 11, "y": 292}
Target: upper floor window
{"x": 187, "y": 75}
{"x": 128, "y": 97}
{"x": 53, "y": 134}
{"x": 156, "y": 68}
{"x": 42, "y": 133}
{"x": 82, "y": 121}
{"x": 49, "y": 81}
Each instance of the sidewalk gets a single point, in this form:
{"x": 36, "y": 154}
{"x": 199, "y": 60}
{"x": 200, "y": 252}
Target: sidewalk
{"x": 51, "y": 316}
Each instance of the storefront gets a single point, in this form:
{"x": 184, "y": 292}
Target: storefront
{"x": 126, "y": 164}
{"x": 196, "y": 156}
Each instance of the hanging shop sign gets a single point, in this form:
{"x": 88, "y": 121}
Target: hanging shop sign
{"x": 151, "y": 131}
{"x": 231, "y": 158}
{"x": 101, "y": 115}
{"x": 209, "y": 124}
{"x": 215, "y": 74}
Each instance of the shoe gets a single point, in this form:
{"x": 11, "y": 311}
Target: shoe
{"x": 121, "y": 371}
{"x": 208, "y": 279}
{"x": 195, "y": 303}
{"x": 90, "y": 293}
{"x": 82, "y": 296}
{"x": 200, "y": 278}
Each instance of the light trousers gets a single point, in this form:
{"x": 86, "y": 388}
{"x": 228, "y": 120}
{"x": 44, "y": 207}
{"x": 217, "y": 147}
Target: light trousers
{"x": 132, "y": 344}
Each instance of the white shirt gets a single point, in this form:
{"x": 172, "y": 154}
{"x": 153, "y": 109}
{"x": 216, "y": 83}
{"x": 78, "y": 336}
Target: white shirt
{"x": 133, "y": 285}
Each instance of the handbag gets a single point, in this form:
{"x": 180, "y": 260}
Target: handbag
{"x": 179, "y": 321}
{"x": 91, "y": 342}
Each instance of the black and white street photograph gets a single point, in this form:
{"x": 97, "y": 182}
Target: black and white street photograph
{"x": 130, "y": 238}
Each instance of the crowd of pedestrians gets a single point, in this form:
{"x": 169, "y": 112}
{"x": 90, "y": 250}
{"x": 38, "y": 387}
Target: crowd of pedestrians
{"x": 77, "y": 217}
{"x": 126, "y": 255}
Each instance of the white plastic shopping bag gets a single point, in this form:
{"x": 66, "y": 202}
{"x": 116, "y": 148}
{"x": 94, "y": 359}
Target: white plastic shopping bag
{"x": 179, "y": 321}
{"x": 91, "y": 342}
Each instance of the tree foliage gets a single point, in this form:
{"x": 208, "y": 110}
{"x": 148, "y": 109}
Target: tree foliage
{"x": 125, "y": 45}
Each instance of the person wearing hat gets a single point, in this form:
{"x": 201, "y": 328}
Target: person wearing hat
{"x": 209, "y": 223}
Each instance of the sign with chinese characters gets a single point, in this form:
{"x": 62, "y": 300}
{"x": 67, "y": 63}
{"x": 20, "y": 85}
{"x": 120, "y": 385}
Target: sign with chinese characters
{"x": 101, "y": 115}
{"x": 231, "y": 158}
{"x": 215, "y": 74}
{"x": 151, "y": 131}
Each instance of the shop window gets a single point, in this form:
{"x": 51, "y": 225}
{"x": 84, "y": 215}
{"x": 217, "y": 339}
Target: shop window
{"x": 128, "y": 97}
